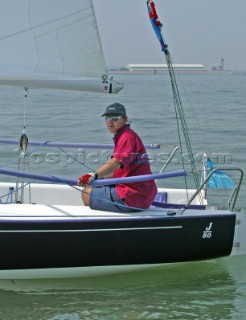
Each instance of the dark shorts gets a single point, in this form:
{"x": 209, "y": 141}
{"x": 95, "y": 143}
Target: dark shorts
{"x": 105, "y": 198}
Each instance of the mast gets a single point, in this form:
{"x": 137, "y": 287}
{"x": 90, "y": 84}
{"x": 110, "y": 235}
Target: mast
{"x": 157, "y": 25}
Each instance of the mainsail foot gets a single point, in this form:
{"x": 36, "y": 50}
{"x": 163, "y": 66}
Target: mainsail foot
{"x": 55, "y": 46}
{"x": 50, "y": 81}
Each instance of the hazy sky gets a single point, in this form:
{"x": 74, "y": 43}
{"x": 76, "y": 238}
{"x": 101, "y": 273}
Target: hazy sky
{"x": 196, "y": 31}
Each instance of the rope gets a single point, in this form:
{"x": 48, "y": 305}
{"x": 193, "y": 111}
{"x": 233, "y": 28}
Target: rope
{"x": 181, "y": 117}
{"x": 74, "y": 158}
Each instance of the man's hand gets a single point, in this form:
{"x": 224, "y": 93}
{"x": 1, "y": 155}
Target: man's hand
{"x": 86, "y": 178}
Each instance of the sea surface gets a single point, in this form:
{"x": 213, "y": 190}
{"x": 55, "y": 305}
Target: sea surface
{"x": 215, "y": 109}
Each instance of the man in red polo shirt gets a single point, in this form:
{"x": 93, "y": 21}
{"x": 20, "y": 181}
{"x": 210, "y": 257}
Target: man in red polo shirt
{"x": 129, "y": 159}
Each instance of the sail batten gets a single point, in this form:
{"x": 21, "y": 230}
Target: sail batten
{"x": 57, "y": 38}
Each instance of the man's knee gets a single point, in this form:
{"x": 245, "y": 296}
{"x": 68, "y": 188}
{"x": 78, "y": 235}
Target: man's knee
{"x": 86, "y": 196}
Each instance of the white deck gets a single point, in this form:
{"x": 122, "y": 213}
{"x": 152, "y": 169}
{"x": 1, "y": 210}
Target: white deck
{"x": 55, "y": 194}
{"x": 49, "y": 201}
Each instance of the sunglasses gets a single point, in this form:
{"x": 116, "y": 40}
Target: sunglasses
{"x": 113, "y": 118}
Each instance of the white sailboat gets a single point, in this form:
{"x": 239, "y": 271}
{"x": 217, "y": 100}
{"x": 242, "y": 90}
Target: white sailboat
{"x": 45, "y": 231}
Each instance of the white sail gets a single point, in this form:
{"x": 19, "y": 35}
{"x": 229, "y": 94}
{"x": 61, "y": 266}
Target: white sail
{"x": 52, "y": 44}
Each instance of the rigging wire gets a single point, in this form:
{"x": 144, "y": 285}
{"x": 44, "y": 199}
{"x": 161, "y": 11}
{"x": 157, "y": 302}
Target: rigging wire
{"x": 180, "y": 116}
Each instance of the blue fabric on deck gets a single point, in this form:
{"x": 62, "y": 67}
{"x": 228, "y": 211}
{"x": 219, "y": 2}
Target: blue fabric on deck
{"x": 219, "y": 180}
{"x": 161, "y": 197}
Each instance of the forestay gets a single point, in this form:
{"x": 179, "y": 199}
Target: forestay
{"x": 52, "y": 44}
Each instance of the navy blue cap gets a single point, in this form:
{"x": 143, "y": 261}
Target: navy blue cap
{"x": 115, "y": 109}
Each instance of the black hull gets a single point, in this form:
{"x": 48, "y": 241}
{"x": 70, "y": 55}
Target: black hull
{"x": 66, "y": 244}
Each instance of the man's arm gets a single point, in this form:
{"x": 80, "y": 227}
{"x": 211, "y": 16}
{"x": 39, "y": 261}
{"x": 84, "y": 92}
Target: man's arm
{"x": 105, "y": 171}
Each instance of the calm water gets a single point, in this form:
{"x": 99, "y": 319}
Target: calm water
{"x": 215, "y": 105}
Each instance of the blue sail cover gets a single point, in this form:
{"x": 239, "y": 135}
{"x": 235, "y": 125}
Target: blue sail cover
{"x": 218, "y": 180}
{"x": 156, "y": 24}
